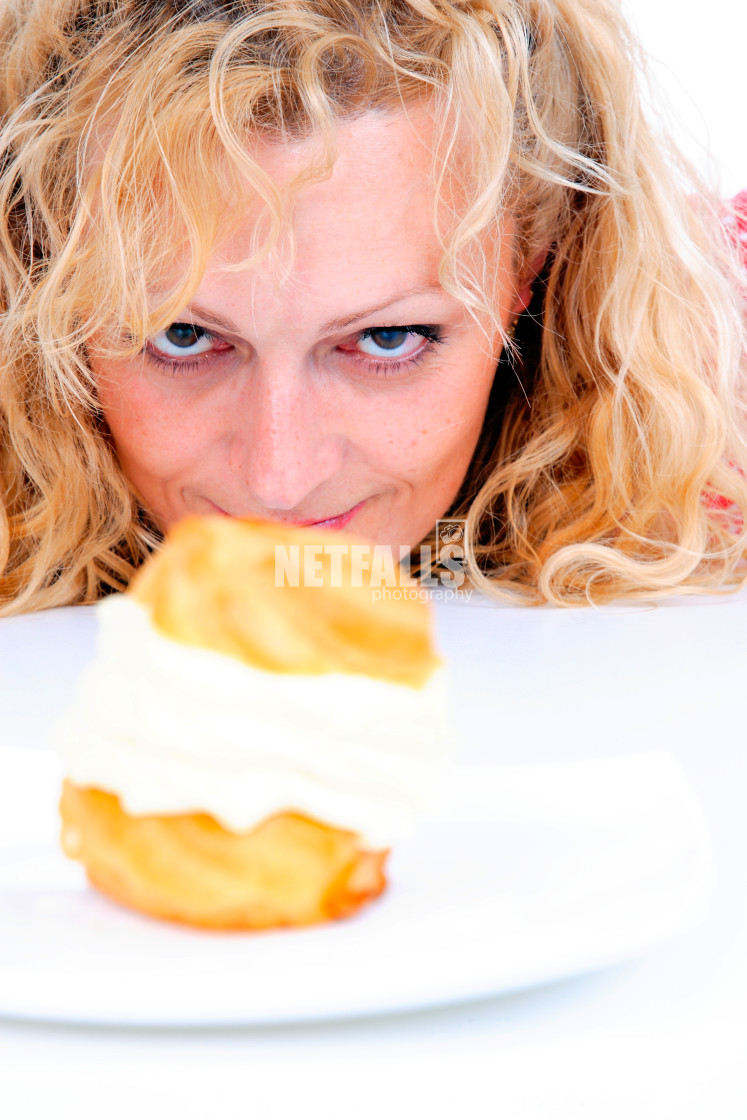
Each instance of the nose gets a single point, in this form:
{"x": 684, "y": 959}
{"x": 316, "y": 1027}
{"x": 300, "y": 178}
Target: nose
{"x": 284, "y": 445}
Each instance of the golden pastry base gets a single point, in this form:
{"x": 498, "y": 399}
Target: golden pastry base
{"x": 288, "y": 871}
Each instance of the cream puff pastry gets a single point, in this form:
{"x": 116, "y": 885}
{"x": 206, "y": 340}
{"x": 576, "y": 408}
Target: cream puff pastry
{"x": 242, "y": 754}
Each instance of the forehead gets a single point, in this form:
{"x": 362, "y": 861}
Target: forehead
{"x": 363, "y": 231}
{"x": 378, "y": 193}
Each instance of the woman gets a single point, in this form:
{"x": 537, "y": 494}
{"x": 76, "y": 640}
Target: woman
{"x": 360, "y": 264}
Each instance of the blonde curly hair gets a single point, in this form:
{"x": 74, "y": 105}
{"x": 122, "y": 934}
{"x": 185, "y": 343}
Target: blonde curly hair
{"x": 617, "y": 412}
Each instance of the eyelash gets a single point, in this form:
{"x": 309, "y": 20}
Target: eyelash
{"x": 185, "y": 365}
{"x": 431, "y": 333}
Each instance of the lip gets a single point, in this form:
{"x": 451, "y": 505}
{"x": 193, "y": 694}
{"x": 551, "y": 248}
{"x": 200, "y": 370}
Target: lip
{"x": 339, "y": 521}
{"x": 215, "y": 509}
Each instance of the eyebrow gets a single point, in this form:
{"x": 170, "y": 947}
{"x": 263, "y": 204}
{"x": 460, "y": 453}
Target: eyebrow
{"x": 341, "y": 324}
{"x": 214, "y": 320}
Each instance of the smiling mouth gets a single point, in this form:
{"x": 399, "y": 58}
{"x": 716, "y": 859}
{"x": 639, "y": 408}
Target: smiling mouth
{"x": 338, "y": 522}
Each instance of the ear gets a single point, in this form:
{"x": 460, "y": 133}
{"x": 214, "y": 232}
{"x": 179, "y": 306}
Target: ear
{"x": 529, "y": 275}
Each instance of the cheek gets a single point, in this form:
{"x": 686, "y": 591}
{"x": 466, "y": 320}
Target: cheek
{"x": 150, "y": 433}
{"x": 429, "y": 434}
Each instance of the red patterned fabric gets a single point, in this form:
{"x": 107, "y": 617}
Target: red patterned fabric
{"x": 736, "y": 222}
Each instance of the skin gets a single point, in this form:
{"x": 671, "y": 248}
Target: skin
{"x": 289, "y": 414}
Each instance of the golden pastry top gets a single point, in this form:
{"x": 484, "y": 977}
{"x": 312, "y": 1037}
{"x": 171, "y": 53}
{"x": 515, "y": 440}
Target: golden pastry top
{"x": 213, "y": 584}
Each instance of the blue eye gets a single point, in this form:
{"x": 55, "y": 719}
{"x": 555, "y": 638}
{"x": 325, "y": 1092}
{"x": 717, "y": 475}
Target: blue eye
{"x": 183, "y": 334}
{"x": 389, "y": 339}
{"x": 182, "y": 340}
{"x": 183, "y": 348}
{"x": 397, "y": 342}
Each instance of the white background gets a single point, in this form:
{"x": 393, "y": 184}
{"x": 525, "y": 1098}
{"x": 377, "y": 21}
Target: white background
{"x": 698, "y": 50}
{"x": 662, "y": 1039}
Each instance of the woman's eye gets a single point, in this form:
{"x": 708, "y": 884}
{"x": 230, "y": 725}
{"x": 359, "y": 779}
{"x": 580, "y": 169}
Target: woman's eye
{"x": 182, "y": 340}
{"x": 389, "y": 340}
{"x": 396, "y": 342}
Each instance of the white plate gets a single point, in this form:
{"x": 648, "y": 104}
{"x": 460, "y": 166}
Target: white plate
{"x": 529, "y": 874}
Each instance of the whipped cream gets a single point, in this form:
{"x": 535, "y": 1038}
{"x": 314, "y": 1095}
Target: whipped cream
{"x": 171, "y": 728}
